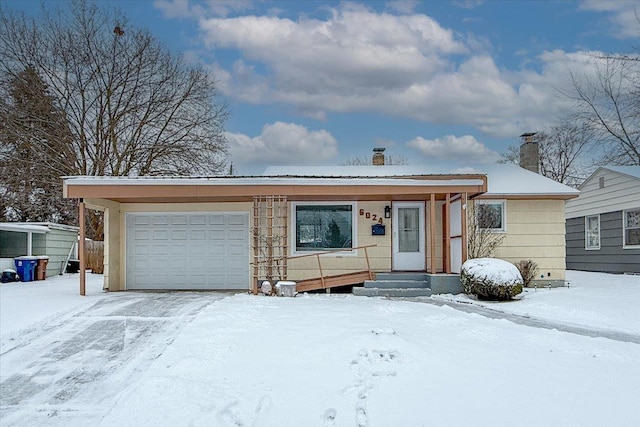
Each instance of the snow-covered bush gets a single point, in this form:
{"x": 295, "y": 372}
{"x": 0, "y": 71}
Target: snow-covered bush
{"x": 528, "y": 270}
{"x": 491, "y": 278}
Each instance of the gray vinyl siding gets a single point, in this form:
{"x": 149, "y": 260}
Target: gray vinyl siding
{"x": 611, "y": 257}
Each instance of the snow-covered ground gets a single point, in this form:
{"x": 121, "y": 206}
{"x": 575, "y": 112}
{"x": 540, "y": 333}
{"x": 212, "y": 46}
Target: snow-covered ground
{"x": 598, "y": 301}
{"x": 210, "y": 359}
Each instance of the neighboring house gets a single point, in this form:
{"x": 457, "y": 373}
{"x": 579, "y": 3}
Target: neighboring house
{"x": 230, "y": 232}
{"x": 37, "y": 238}
{"x": 603, "y": 224}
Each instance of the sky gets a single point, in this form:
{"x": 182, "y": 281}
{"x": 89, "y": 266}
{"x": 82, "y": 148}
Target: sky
{"x": 435, "y": 82}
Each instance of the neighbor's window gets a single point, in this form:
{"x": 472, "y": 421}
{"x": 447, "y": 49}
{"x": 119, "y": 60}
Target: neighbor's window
{"x": 323, "y": 226}
{"x": 592, "y": 232}
{"x": 631, "y": 221}
{"x": 490, "y": 215}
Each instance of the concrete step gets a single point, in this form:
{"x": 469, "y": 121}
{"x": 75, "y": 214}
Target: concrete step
{"x": 402, "y": 276}
{"x": 396, "y": 283}
{"x": 392, "y": 292}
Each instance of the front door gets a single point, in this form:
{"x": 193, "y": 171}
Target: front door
{"x": 408, "y": 236}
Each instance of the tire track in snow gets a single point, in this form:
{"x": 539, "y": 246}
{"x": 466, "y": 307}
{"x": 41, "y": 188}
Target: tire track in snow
{"x": 46, "y": 377}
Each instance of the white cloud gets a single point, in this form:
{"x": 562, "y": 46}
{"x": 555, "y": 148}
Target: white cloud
{"x": 623, "y": 15}
{"x": 353, "y": 53}
{"x": 357, "y": 60}
{"x": 282, "y": 143}
{"x": 174, "y": 8}
{"x": 189, "y": 9}
{"x": 465, "y": 149}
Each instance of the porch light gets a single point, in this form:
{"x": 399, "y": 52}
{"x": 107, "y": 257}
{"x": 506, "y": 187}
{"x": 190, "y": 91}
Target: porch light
{"x": 387, "y": 211}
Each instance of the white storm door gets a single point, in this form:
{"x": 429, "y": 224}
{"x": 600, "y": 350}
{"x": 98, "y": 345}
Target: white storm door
{"x": 408, "y": 236}
{"x": 455, "y": 231}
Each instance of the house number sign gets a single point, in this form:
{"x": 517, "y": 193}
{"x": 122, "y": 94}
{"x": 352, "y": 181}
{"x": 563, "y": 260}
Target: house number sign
{"x": 372, "y": 216}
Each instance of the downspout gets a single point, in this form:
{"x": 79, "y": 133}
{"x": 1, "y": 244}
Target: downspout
{"x": 29, "y": 243}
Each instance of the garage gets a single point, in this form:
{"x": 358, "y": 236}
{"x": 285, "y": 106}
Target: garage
{"x": 180, "y": 251}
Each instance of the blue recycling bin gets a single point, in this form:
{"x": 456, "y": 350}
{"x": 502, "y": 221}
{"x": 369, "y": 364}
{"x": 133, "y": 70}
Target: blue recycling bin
{"x": 26, "y": 267}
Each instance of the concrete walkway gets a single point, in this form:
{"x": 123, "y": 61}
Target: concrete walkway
{"x": 531, "y": 321}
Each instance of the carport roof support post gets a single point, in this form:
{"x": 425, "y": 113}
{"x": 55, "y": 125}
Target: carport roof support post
{"x": 81, "y": 245}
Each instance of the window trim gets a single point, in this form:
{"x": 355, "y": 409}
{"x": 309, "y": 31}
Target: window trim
{"x": 624, "y": 229}
{"x": 354, "y": 228}
{"x": 503, "y": 204}
{"x": 586, "y": 233}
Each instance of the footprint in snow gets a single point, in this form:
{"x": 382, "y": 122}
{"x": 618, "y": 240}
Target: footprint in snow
{"x": 329, "y": 418}
{"x": 362, "y": 420}
{"x": 263, "y": 412}
{"x": 227, "y": 416}
{"x": 383, "y": 331}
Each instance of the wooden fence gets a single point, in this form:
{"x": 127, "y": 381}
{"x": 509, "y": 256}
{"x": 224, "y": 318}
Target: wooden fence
{"x": 94, "y": 253}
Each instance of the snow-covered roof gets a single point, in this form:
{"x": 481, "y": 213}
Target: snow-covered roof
{"x": 22, "y": 227}
{"x": 503, "y": 179}
{"x": 56, "y": 226}
{"x": 513, "y": 180}
{"x": 284, "y": 179}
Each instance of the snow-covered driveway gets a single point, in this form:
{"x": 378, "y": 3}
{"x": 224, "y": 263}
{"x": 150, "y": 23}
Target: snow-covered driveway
{"x": 67, "y": 368}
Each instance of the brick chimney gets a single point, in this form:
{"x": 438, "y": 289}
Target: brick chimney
{"x": 529, "y": 152}
{"x": 378, "y": 157}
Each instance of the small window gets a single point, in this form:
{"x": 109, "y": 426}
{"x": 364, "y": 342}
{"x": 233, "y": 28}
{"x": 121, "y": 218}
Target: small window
{"x": 323, "y": 226}
{"x": 592, "y": 232}
{"x": 491, "y": 215}
{"x": 631, "y": 232}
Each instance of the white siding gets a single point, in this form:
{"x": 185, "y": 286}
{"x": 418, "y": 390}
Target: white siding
{"x": 620, "y": 192}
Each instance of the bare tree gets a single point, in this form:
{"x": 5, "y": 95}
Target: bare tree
{"x": 610, "y": 104}
{"x": 482, "y": 239}
{"x": 563, "y": 152}
{"x": 132, "y": 106}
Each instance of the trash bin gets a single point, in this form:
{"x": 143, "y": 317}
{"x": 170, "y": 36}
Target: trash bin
{"x": 41, "y": 267}
{"x": 26, "y": 267}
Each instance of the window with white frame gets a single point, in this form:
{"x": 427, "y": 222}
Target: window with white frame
{"x": 323, "y": 226}
{"x": 491, "y": 215}
{"x": 592, "y": 232}
{"x": 631, "y": 232}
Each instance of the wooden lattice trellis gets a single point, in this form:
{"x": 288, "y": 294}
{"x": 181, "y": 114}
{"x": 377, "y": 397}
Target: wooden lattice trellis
{"x": 269, "y": 232}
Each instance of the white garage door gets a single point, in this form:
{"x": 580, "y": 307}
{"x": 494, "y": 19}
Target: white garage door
{"x": 187, "y": 250}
